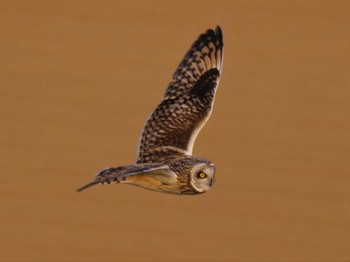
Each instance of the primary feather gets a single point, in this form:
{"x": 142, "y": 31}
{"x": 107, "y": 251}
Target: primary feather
{"x": 188, "y": 100}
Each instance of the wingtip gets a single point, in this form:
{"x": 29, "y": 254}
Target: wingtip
{"x": 87, "y": 186}
{"x": 219, "y": 35}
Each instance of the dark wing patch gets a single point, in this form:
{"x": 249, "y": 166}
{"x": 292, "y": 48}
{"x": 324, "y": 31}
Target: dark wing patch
{"x": 206, "y": 53}
{"x": 206, "y": 84}
{"x": 188, "y": 100}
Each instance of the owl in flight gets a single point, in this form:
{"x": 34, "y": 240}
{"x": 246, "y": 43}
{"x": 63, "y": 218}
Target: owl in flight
{"x": 165, "y": 162}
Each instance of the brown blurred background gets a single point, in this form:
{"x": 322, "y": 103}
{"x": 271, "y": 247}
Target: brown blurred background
{"x": 78, "y": 80}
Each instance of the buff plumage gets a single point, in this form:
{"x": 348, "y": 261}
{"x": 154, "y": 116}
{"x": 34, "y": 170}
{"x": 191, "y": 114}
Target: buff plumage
{"x": 165, "y": 162}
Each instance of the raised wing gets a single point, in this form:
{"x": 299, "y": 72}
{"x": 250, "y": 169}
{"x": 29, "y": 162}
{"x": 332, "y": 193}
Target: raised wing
{"x": 188, "y": 101}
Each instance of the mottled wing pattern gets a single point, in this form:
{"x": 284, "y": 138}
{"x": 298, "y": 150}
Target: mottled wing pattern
{"x": 188, "y": 101}
{"x": 119, "y": 174}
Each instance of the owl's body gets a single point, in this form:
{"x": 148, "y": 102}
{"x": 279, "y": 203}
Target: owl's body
{"x": 165, "y": 162}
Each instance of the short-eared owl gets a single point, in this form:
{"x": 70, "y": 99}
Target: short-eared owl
{"x": 165, "y": 162}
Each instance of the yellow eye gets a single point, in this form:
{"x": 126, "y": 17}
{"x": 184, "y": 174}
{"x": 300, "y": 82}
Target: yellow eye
{"x": 202, "y": 175}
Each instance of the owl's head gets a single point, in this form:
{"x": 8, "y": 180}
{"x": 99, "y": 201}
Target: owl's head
{"x": 202, "y": 176}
